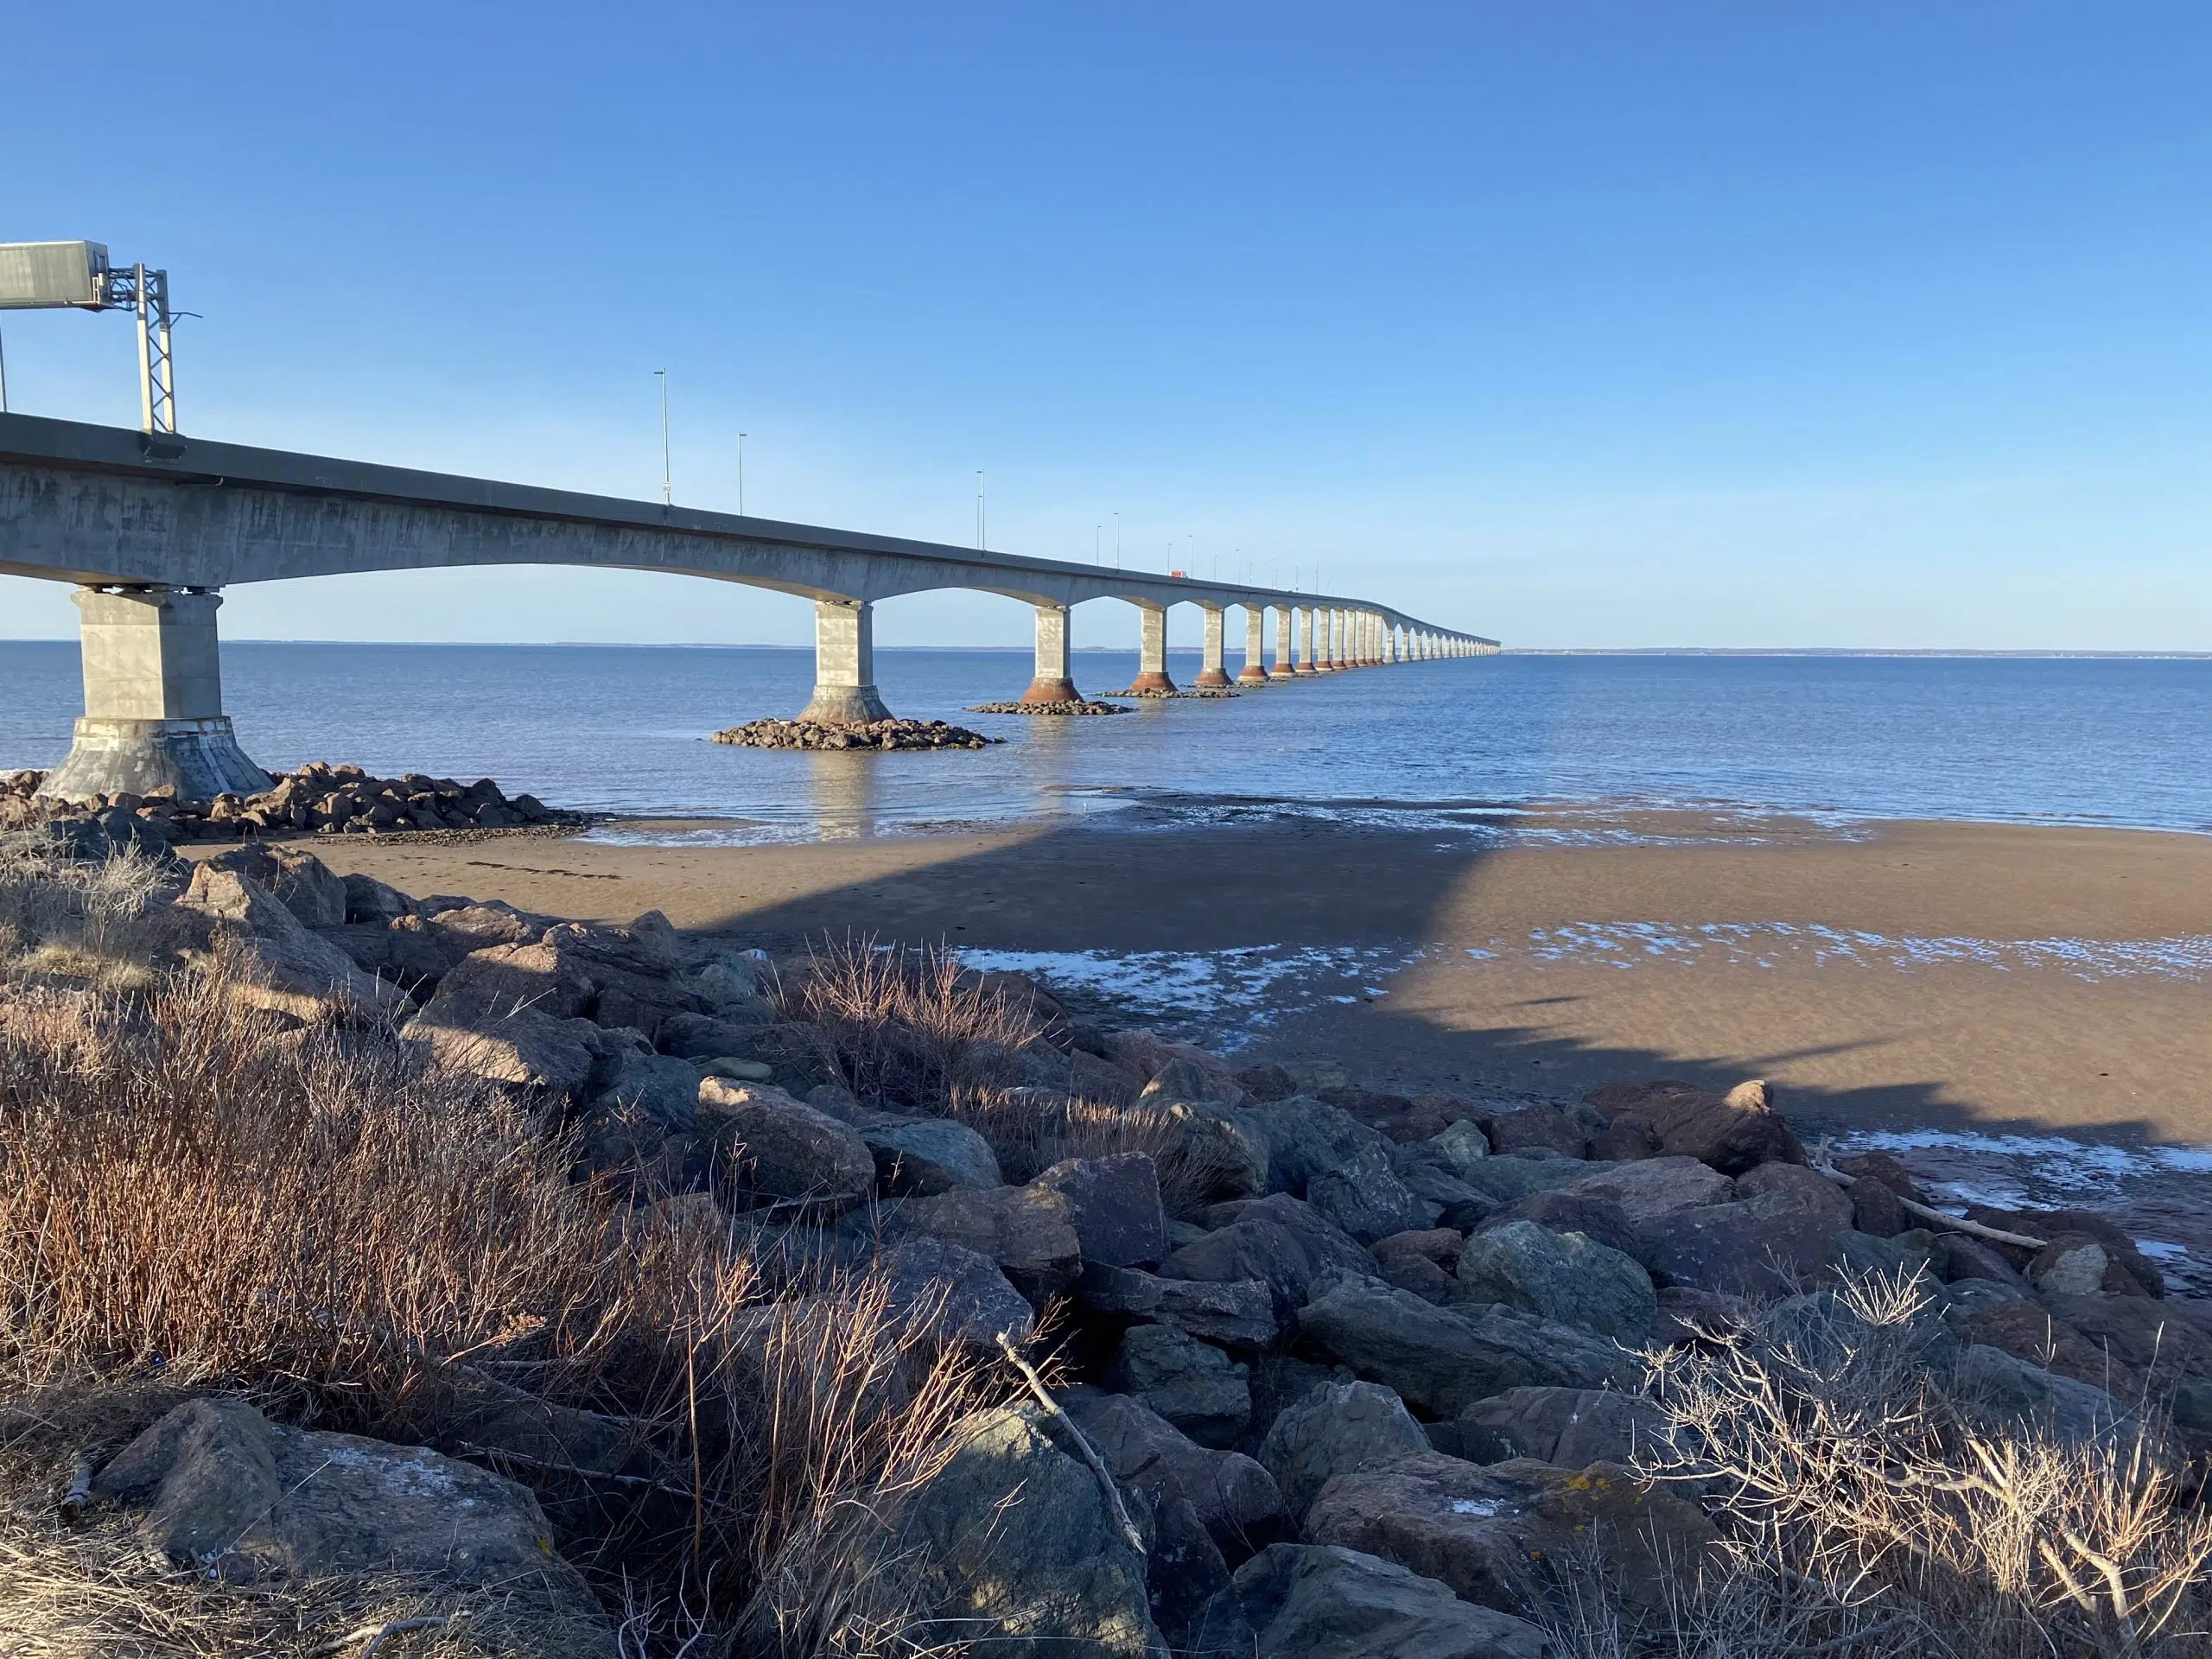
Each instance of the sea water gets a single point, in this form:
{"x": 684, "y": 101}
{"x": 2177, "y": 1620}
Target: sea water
{"x": 1454, "y": 746}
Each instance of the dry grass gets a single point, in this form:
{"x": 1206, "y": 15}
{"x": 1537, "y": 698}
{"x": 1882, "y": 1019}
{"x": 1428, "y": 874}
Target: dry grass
{"x": 195, "y": 1193}
{"x": 75, "y": 919}
{"x": 1870, "y": 1514}
{"x": 904, "y": 1032}
{"x": 1030, "y": 1130}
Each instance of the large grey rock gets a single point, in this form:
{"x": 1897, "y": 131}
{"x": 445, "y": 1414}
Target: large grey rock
{"x": 1307, "y": 1601}
{"x": 960, "y": 1291}
{"x": 1286, "y": 1245}
{"x": 1238, "y": 1314}
{"x": 1508, "y": 1177}
{"x": 1481, "y": 1530}
{"x": 1563, "y": 1276}
{"x": 919, "y": 1156}
{"x": 1186, "y": 1079}
{"x": 271, "y": 959}
{"x": 664, "y": 1088}
{"x": 1114, "y": 1204}
{"x": 1234, "y": 1497}
{"x": 2007, "y": 1390}
{"x": 368, "y": 899}
{"x": 1333, "y": 1429}
{"x": 1192, "y": 1384}
{"x": 1028, "y": 1556}
{"x": 1657, "y": 1186}
{"x": 231, "y": 1495}
{"x": 512, "y": 1014}
{"x": 731, "y": 985}
{"x": 295, "y": 877}
{"x": 1567, "y": 1130}
{"x": 1765, "y": 1245}
{"x": 1367, "y": 1199}
{"x": 1569, "y": 1428}
{"x": 784, "y": 1150}
{"x": 1443, "y": 1359}
{"x": 1028, "y": 1230}
{"x": 1308, "y": 1137}
{"x": 629, "y": 972}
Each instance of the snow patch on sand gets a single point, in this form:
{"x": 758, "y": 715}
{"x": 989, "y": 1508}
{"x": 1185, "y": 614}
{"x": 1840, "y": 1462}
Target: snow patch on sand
{"x": 1767, "y": 944}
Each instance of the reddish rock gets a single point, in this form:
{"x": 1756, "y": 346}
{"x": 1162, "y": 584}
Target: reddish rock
{"x": 1733, "y": 1133}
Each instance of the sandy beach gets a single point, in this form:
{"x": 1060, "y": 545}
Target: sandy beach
{"x": 1904, "y": 975}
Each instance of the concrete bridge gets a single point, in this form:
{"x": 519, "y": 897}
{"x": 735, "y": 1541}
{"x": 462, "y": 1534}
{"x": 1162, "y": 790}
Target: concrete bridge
{"x": 152, "y": 527}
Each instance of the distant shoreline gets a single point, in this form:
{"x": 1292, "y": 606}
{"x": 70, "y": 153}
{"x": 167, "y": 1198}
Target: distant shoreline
{"x": 1192, "y": 650}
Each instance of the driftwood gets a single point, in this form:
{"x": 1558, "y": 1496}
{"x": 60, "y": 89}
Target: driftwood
{"x": 497, "y": 1454}
{"x": 1956, "y": 1223}
{"x": 80, "y": 1490}
{"x": 1090, "y": 1452}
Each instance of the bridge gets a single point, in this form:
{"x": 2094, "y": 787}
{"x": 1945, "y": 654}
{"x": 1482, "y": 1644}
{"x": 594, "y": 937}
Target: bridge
{"x": 151, "y": 527}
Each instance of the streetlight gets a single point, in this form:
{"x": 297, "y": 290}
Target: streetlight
{"x": 667, "y": 495}
{"x": 741, "y": 474}
{"x": 979, "y": 509}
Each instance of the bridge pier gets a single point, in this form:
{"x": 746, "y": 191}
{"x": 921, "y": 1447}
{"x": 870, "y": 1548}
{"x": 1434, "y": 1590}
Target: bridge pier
{"x": 1054, "y": 681}
{"x": 1254, "y": 670}
{"x": 1211, "y": 671}
{"x": 1304, "y": 665}
{"x": 844, "y": 665}
{"x": 1286, "y": 626}
{"x": 1152, "y": 652}
{"x": 153, "y": 700}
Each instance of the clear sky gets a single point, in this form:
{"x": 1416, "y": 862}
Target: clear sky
{"x": 1814, "y": 323}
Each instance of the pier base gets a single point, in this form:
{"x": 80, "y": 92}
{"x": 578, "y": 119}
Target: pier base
{"x": 1152, "y": 653}
{"x": 154, "y": 712}
{"x": 1210, "y": 673}
{"x": 1254, "y": 670}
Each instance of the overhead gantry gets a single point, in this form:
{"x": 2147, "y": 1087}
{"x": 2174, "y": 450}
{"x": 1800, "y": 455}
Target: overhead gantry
{"x": 151, "y": 527}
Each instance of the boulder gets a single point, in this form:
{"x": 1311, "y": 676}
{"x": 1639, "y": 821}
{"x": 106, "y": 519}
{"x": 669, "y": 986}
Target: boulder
{"x": 665, "y": 1088}
{"x": 1028, "y": 1230}
{"x": 229, "y": 1494}
{"x": 1026, "y": 1553}
{"x": 1148, "y": 1053}
{"x": 1367, "y": 1199}
{"x": 1114, "y": 1204}
{"x": 1508, "y": 1177}
{"x": 1657, "y": 1187}
{"x": 1954, "y": 1257}
{"x": 2007, "y": 1390}
{"x": 2052, "y": 1224}
{"x": 1268, "y": 1081}
{"x": 1236, "y": 1313}
{"x": 2074, "y": 1265}
{"x": 1318, "y": 1602}
{"x": 295, "y": 877}
{"x": 1766, "y": 1245}
{"x": 1294, "y": 1251}
{"x": 273, "y": 961}
{"x": 1481, "y": 1530}
{"x": 1732, "y": 1132}
{"x": 2151, "y": 1339}
{"x": 1798, "y": 1186}
{"x": 1563, "y": 1276}
{"x": 1460, "y": 1147}
{"x": 1563, "y": 1209}
{"x": 1570, "y": 1428}
{"x": 1183, "y": 1079}
{"x": 1334, "y": 1429}
{"x": 2029, "y": 1332}
{"x": 1234, "y": 1497}
{"x": 628, "y": 972}
{"x": 1420, "y": 1261}
{"x": 1563, "y": 1129}
{"x": 1077, "y": 1074}
{"x": 464, "y": 927}
{"x": 1308, "y": 1137}
{"x": 783, "y": 1150}
{"x": 960, "y": 1290}
{"x": 1192, "y": 1384}
{"x": 919, "y": 1156}
{"x": 1442, "y": 1360}
{"x": 368, "y": 899}
{"x": 1626, "y": 1139}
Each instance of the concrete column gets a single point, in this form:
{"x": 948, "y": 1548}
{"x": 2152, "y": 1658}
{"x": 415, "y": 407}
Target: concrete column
{"x": 1286, "y": 626}
{"x": 1339, "y": 646}
{"x": 1152, "y": 652}
{"x": 153, "y": 700}
{"x": 1053, "y": 683}
{"x": 1370, "y": 638}
{"x": 1304, "y": 664}
{"x": 1256, "y": 646}
{"x": 1211, "y": 671}
{"x": 844, "y": 665}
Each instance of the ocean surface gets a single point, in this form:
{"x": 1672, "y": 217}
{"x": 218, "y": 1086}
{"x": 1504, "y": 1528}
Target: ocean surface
{"x": 1451, "y": 745}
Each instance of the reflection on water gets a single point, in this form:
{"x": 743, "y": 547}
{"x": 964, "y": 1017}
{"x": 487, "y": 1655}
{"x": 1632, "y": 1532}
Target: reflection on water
{"x": 843, "y": 785}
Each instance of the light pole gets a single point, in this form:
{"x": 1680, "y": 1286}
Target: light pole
{"x": 741, "y": 474}
{"x": 980, "y": 526}
{"x": 667, "y": 492}
{"x": 1117, "y": 541}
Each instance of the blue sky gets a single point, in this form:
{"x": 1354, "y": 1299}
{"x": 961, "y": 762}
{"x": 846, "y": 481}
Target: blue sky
{"x": 1823, "y": 324}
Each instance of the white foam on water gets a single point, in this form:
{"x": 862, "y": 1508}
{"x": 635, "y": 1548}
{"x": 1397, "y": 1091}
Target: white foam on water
{"x": 1765, "y": 944}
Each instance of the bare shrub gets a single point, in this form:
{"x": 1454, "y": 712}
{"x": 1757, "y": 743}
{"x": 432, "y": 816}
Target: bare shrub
{"x": 323, "y": 1219}
{"x": 906, "y": 1027}
{"x": 1871, "y": 1512}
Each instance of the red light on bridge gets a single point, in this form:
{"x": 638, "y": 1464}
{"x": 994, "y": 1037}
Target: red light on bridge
{"x": 1178, "y": 575}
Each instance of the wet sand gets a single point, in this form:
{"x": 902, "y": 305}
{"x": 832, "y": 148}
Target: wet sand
{"x": 1948, "y": 1019}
